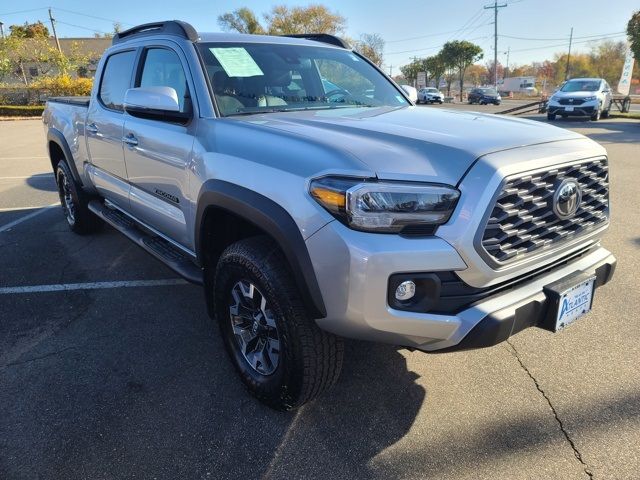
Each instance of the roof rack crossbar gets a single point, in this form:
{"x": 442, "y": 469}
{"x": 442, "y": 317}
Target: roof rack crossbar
{"x": 322, "y": 37}
{"x": 169, "y": 27}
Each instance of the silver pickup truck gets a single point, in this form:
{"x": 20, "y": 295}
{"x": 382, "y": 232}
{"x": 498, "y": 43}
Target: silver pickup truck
{"x": 301, "y": 187}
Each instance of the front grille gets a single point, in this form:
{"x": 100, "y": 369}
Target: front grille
{"x": 523, "y": 221}
{"x": 571, "y": 101}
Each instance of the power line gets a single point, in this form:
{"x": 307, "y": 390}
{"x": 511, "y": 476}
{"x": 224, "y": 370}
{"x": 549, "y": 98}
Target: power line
{"x": 564, "y": 44}
{"x": 22, "y": 11}
{"x": 559, "y": 38}
{"x": 421, "y": 36}
{"x": 80, "y": 26}
{"x": 429, "y": 48}
{"x": 92, "y": 16}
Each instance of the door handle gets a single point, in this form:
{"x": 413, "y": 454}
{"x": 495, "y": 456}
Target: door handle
{"x": 91, "y": 128}
{"x": 130, "y": 140}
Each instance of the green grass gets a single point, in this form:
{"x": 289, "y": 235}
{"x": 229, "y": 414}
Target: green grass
{"x": 21, "y": 110}
{"x": 635, "y": 115}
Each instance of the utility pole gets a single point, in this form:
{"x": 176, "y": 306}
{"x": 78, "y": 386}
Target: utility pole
{"x": 566, "y": 73}
{"x": 495, "y": 7}
{"x": 391, "y": 70}
{"x": 2, "y": 29}
{"x": 53, "y": 27}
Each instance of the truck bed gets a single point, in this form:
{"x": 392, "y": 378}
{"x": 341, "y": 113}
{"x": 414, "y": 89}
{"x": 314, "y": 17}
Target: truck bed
{"x": 78, "y": 101}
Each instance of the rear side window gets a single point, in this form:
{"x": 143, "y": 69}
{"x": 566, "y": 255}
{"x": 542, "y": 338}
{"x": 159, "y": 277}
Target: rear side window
{"x": 116, "y": 79}
{"x": 162, "y": 68}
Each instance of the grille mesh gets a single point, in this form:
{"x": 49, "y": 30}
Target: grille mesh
{"x": 523, "y": 220}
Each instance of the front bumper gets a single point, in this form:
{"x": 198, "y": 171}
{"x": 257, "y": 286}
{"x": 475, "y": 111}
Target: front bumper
{"x": 582, "y": 110}
{"x": 353, "y": 270}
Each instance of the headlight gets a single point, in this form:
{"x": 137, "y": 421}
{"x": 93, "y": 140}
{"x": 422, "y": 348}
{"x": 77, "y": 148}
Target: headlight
{"x": 385, "y": 206}
{"x": 588, "y": 99}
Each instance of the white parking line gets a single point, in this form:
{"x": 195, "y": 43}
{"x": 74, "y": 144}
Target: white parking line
{"x": 64, "y": 287}
{"x": 10, "y": 225}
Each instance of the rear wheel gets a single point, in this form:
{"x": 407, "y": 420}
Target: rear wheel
{"x": 282, "y": 356}
{"x": 605, "y": 113}
{"x": 75, "y": 202}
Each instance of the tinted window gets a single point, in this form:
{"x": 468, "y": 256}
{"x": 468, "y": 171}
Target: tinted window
{"x": 162, "y": 68}
{"x": 116, "y": 79}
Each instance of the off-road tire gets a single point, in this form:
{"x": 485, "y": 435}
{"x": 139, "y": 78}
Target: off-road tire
{"x": 75, "y": 202}
{"x": 310, "y": 359}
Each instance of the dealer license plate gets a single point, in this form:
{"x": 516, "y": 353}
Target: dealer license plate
{"x": 574, "y": 303}
{"x": 568, "y": 109}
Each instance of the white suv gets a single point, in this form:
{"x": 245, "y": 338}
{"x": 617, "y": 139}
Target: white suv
{"x": 587, "y": 97}
{"x": 430, "y": 95}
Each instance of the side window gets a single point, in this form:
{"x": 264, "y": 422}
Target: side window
{"x": 162, "y": 68}
{"x": 116, "y": 78}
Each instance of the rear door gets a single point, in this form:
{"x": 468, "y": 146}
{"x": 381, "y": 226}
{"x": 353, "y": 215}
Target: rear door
{"x": 157, "y": 152}
{"x": 104, "y": 127}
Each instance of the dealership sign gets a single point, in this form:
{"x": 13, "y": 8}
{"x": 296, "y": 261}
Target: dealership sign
{"x": 625, "y": 79}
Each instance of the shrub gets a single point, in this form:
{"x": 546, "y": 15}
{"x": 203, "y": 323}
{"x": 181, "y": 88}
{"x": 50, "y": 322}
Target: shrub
{"x": 21, "y": 110}
{"x": 63, "y": 85}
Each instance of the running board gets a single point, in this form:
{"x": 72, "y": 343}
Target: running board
{"x": 171, "y": 256}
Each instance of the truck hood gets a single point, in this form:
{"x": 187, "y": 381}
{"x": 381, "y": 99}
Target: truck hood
{"x": 412, "y": 143}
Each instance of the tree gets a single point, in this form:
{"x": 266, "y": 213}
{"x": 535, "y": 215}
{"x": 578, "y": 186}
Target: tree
{"x": 607, "y": 59}
{"x": 491, "y": 71}
{"x": 410, "y": 71}
{"x": 242, "y": 20}
{"x": 29, "y": 30}
{"x": 284, "y": 20}
{"x": 434, "y": 67}
{"x": 459, "y": 54}
{"x": 371, "y": 45}
{"x": 633, "y": 31}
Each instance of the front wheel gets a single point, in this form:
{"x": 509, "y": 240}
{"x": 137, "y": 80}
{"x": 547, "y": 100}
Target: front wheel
{"x": 282, "y": 356}
{"x": 551, "y": 116}
{"x": 596, "y": 115}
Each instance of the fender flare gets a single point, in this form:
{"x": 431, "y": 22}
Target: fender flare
{"x": 270, "y": 217}
{"x": 57, "y": 137}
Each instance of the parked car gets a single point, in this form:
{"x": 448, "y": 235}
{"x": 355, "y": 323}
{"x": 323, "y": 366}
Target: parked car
{"x": 430, "y": 95}
{"x": 586, "y": 97}
{"x": 411, "y": 92}
{"x": 483, "y": 96}
{"x": 310, "y": 214}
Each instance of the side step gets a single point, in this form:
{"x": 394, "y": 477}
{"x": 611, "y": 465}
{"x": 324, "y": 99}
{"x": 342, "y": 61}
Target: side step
{"x": 171, "y": 256}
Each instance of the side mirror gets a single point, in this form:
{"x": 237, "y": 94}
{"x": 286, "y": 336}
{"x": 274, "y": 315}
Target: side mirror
{"x": 155, "y": 103}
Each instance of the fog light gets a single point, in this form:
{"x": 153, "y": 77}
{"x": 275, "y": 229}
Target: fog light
{"x": 406, "y": 290}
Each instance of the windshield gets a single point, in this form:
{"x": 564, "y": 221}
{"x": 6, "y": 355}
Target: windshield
{"x": 581, "y": 86}
{"x": 259, "y": 77}
{"x": 488, "y": 91}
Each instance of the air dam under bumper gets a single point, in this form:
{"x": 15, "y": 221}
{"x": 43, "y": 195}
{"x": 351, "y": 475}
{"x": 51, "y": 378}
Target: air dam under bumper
{"x": 353, "y": 270}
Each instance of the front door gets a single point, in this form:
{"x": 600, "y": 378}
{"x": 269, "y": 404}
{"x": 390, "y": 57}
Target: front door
{"x": 157, "y": 152}
{"x": 104, "y": 128}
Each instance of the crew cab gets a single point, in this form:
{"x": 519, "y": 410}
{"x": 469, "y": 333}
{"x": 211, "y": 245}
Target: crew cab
{"x": 299, "y": 185}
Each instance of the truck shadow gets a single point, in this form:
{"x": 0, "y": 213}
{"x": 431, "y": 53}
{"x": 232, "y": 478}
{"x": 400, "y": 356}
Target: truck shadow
{"x": 43, "y": 181}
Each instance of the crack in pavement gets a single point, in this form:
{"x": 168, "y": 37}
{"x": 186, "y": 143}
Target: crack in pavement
{"x": 576, "y": 452}
{"x": 33, "y": 359}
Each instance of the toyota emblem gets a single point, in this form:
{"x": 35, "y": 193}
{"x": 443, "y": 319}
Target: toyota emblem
{"x": 567, "y": 198}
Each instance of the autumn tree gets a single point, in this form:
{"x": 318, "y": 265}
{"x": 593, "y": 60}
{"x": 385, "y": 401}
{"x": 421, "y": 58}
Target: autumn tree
{"x": 29, "y": 30}
{"x": 284, "y": 20}
{"x": 242, "y": 20}
{"x": 371, "y": 45}
{"x": 633, "y": 32}
{"x": 434, "y": 67}
{"x": 459, "y": 54}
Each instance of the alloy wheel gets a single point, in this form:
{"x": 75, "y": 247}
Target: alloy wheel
{"x": 254, "y": 327}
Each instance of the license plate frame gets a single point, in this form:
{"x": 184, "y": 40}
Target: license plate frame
{"x": 569, "y": 299}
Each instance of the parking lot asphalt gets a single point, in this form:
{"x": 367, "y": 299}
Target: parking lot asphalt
{"x": 131, "y": 380}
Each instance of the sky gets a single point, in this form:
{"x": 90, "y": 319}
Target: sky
{"x": 410, "y": 28}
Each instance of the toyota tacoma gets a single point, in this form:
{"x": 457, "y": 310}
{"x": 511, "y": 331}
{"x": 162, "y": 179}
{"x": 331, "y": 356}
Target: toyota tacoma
{"x": 301, "y": 187}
